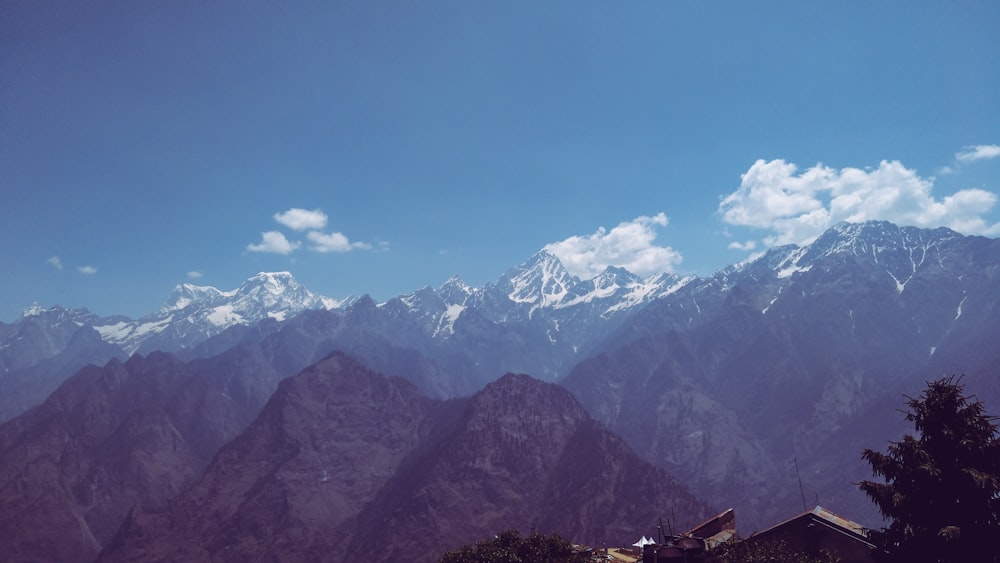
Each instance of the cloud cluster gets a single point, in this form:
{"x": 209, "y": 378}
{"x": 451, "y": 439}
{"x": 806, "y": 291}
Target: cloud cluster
{"x": 746, "y": 245}
{"x": 275, "y": 242}
{"x": 797, "y": 207}
{"x": 302, "y": 219}
{"x": 56, "y": 263}
{"x": 977, "y": 152}
{"x": 334, "y": 242}
{"x": 630, "y": 245}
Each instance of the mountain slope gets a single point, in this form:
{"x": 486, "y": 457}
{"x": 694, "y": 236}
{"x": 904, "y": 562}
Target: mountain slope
{"x": 72, "y": 467}
{"x": 523, "y": 454}
{"x": 342, "y": 457}
{"x": 25, "y": 387}
{"x": 109, "y": 439}
{"x": 801, "y": 355}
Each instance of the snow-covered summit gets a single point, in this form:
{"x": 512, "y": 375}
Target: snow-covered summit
{"x": 194, "y": 313}
{"x": 33, "y": 311}
{"x": 543, "y": 281}
{"x": 57, "y": 313}
{"x": 186, "y": 294}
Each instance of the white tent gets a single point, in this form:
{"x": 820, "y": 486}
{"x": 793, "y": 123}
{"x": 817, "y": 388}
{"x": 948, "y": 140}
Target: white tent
{"x": 642, "y": 542}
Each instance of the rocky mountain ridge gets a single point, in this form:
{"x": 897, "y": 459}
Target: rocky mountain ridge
{"x": 798, "y": 357}
{"x": 193, "y": 313}
{"x": 160, "y": 459}
{"x": 344, "y": 463}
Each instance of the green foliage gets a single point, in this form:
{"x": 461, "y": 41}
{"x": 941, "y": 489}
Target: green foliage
{"x": 764, "y": 552}
{"x": 942, "y": 489}
{"x": 509, "y": 547}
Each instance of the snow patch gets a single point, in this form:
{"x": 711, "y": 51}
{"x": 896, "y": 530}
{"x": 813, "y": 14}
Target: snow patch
{"x": 446, "y": 324}
{"x": 788, "y": 271}
{"x": 114, "y": 333}
{"x": 330, "y": 303}
{"x": 153, "y": 327}
{"x": 773, "y": 299}
{"x": 790, "y": 264}
{"x": 224, "y": 316}
{"x": 32, "y": 311}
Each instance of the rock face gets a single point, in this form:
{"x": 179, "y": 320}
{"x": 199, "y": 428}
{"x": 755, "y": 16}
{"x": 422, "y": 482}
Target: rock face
{"x": 344, "y": 463}
{"x": 522, "y": 454}
{"x": 26, "y": 386}
{"x": 109, "y": 439}
{"x": 43, "y": 348}
{"x": 71, "y": 468}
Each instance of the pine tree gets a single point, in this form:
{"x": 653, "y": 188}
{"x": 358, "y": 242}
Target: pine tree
{"x": 942, "y": 489}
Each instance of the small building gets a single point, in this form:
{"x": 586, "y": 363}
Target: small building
{"x": 817, "y": 530}
{"x": 693, "y": 545}
{"x": 812, "y": 533}
{"x": 717, "y": 530}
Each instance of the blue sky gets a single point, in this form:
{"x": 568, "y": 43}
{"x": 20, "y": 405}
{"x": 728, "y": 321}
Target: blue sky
{"x": 378, "y": 147}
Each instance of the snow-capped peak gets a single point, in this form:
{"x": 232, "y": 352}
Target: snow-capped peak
{"x": 193, "y": 312}
{"x": 455, "y": 291}
{"x": 542, "y": 281}
{"x": 186, "y": 294}
{"x": 274, "y": 283}
{"x": 33, "y": 311}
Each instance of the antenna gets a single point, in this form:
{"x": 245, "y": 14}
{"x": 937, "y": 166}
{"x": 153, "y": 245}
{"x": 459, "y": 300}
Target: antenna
{"x": 801, "y": 490}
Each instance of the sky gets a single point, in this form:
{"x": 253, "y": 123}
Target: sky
{"x": 380, "y": 147}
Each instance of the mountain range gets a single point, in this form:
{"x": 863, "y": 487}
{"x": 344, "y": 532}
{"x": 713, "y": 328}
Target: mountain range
{"x": 476, "y": 332}
{"x": 161, "y": 460}
{"x": 741, "y": 385}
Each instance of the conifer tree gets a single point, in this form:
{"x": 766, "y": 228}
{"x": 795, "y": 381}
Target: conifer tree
{"x": 942, "y": 489}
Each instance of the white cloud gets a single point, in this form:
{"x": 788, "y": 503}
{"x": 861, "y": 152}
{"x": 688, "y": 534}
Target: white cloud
{"x": 193, "y": 274}
{"x": 748, "y": 245}
{"x": 274, "y": 242}
{"x": 55, "y": 262}
{"x": 301, "y": 219}
{"x": 977, "y": 152}
{"x": 629, "y": 245}
{"x": 87, "y": 270}
{"x": 334, "y": 242}
{"x": 798, "y": 207}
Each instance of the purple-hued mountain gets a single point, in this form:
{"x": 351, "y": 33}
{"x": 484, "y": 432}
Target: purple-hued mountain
{"x": 345, "y": 464}
{"x": 799, "y": 356}
{"x": 107, "y": 440}
{"x": 46, "y": 346}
